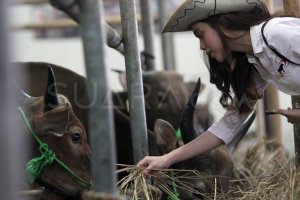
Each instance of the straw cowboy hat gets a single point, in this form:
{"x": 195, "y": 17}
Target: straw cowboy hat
{"x": 192, "y": 11}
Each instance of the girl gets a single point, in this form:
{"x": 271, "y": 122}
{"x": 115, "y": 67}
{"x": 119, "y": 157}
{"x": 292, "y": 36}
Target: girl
{"x": 246, "y": 49}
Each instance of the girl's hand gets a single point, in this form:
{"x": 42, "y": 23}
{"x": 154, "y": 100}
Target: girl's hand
{"x": 151, "y": 163}
{"x": 292, "y": 115}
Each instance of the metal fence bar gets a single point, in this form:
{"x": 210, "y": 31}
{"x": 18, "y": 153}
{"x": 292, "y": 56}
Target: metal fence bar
{"x": 12, "y": 162}
{"x": 6, "y": 185}
{"x": 134, "y": 80}
{"x": 166, "y": 39}
{"x": 148, "y": 34}
{"x": 101, "y": 124}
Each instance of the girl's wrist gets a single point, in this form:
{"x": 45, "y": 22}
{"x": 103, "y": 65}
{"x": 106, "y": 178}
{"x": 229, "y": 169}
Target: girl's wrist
{"x": 168, "y": 159}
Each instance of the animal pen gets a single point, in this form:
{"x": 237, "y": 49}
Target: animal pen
{"x": 94, "y": 37}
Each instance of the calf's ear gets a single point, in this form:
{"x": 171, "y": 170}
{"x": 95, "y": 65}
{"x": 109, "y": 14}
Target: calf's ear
{"x": 166, "y": 135}
{"x": 52, "y": 122}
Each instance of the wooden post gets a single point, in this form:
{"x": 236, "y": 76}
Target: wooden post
{"x": 296, "y": 104}
{"x": 273, "y": 123}
{"x": 293, "y": 5}
{"x": 260, "y": 122}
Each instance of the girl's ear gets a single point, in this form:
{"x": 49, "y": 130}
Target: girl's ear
{"x": 227, "y": 32}
{"x": 232, "y": 34}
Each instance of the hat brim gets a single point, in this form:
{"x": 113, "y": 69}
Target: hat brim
{"x": 192, "y": 11}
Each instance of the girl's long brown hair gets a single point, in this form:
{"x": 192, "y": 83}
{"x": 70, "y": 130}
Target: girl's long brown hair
{"x": 235, "y": 75}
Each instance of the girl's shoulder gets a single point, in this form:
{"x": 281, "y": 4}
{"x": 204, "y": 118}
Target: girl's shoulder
{"x": 282, "y": 31}
{"x": 279, "y": 25}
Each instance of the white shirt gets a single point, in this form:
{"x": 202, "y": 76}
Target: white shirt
{"x": 283, "y": 34}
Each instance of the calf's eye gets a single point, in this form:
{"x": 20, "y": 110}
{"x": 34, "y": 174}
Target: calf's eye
{"x": 76, "y": 137}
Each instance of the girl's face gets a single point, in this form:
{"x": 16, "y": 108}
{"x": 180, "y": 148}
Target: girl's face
{"x": 210, "y": 41}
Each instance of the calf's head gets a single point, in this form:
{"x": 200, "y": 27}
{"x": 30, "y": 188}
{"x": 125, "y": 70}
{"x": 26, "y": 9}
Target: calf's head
{"x": 53, "y": 121}
{"x": 214, "y": 164}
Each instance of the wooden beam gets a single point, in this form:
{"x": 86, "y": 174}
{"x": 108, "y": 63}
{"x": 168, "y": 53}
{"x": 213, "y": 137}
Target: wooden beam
{"x": 64, "y": 23}
{"x": 293, "y": 5}
{"x": 57, "y": 23}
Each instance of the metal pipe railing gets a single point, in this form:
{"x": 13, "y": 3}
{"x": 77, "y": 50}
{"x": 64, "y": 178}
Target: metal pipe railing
{"x": 134, "y": 80}
{"x": 71, "y": 8}
{"x": 101, "y": 124}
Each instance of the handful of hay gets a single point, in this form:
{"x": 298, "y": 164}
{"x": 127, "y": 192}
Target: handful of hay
{"x": 162, "y": 182}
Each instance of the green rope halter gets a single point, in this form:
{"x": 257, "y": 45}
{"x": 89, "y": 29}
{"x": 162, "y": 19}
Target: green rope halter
{"x": 174, "y": 186}
{"x": 36, "y": 165}
{"x": 179, "y": 137}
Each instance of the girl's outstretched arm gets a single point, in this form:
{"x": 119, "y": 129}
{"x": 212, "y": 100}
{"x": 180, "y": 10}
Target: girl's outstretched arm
{"x": 205, "y": 142}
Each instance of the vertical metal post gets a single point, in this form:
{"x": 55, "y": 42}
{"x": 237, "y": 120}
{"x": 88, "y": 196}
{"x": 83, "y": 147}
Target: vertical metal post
{"x": 134, "y": 80}
{"x": 101, "y": 125}
{"x": 166, "y": 39}
{"x": 5, "y": 170}
{"x": 148, "y": 34}
{"x": 12, "y": 162}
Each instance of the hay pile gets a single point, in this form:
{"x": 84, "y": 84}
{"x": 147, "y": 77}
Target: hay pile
{"x": 258, "y": 175}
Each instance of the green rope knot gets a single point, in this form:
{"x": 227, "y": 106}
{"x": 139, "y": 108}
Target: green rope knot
{"x": 36, "y": 165}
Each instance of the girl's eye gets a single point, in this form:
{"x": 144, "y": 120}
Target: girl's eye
{"x": 76, "y": 138}
{"x": 198, "y": 34}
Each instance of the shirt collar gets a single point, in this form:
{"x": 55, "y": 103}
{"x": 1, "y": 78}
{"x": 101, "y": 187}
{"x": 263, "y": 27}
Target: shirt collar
{"x": 256, "y": 39}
